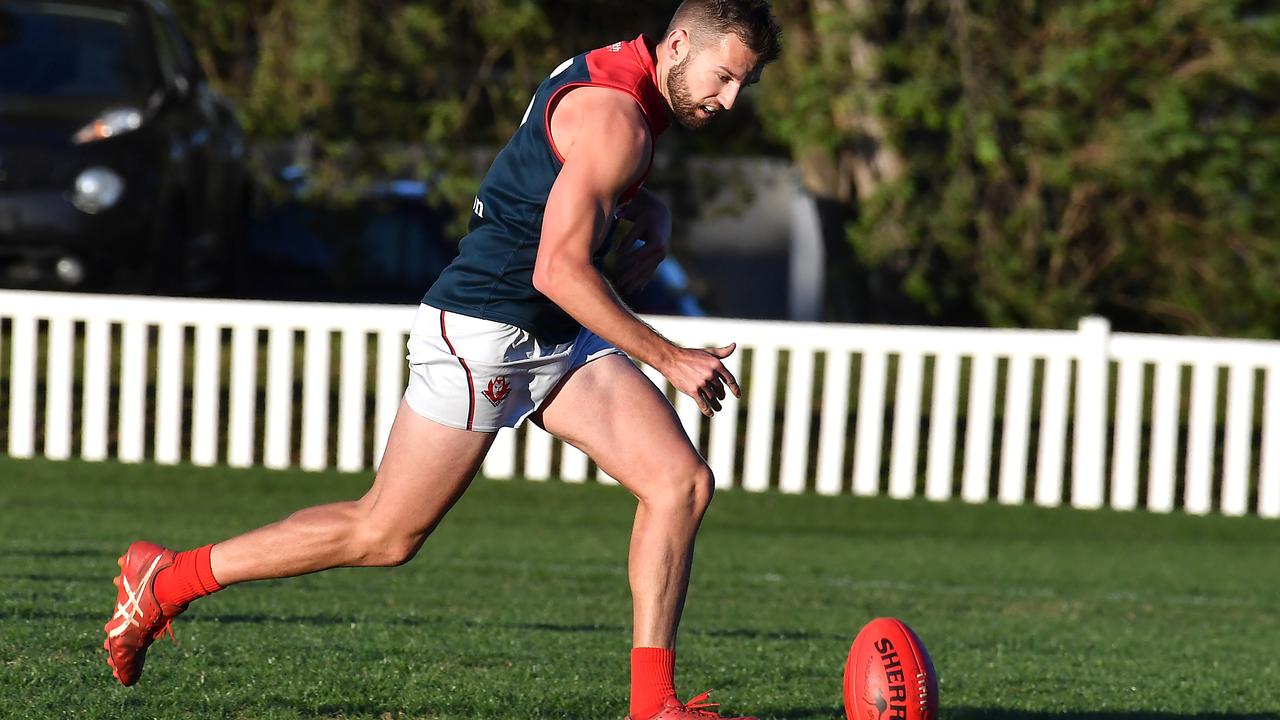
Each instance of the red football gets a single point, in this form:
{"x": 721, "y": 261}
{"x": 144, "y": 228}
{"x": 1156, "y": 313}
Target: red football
{"x": 889, "y": 675}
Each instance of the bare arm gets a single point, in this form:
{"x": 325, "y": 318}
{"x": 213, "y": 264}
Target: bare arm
{"x": 605, "y": 142}
{"x": 651, "y": 225}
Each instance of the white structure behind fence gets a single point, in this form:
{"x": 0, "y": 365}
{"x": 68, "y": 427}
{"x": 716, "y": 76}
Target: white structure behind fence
{"x": 1086, "y": 417}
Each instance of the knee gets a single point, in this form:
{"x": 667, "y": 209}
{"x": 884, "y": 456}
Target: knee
{"x": 704, "y": 488}
{"x": 379, "y": 546}
{"x": 687, "y": 490}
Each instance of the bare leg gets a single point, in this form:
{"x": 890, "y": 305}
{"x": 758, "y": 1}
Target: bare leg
{"x": 611, "y": 411}
{"x": 424, "y": 471}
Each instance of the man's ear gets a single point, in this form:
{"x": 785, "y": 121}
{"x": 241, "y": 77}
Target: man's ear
{"x": 677, "y": 45}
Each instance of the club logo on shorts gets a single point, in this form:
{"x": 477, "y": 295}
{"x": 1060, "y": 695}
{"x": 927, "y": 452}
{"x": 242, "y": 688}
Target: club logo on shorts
{"x": 498, "y": 390}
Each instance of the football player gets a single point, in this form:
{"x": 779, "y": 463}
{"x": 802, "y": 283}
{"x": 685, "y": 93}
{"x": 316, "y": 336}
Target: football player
{"x": 524, "y": 325}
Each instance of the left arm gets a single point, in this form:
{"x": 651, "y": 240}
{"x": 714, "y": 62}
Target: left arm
{"x": 651, "y": 225}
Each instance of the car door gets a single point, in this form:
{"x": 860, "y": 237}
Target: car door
{"x": 192, "y": 120}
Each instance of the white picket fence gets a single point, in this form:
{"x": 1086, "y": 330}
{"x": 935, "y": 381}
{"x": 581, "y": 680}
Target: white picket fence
{"x": 1086, "y": 417}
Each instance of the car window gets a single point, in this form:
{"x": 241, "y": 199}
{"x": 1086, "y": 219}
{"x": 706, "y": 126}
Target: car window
{"x": 166, "y": 52}
{"x": 71, "y": 50}
{"x": 183, "y": 55}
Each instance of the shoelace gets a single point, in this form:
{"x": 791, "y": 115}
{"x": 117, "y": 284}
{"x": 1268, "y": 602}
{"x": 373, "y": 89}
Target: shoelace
{"x": 696, "y": 704}
{"x": 167, "y": 627}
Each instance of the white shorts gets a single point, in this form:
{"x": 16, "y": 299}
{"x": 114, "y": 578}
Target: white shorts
{"x": 482, "y": 375}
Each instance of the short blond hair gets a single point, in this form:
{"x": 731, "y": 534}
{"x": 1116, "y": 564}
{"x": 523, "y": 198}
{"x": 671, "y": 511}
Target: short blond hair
{"x": 751, "y": 21}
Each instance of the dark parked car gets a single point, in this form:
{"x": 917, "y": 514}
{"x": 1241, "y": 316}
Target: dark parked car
{"x": 388, "y": 246}
{"x": 119, "y": 166}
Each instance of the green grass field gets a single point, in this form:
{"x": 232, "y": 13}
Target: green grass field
{"x": 518, "y": 606}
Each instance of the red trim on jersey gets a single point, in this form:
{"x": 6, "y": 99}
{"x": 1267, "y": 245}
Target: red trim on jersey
{"x": 471, "y": 387}
{"x": 552, "y": 102}
{"x": 633, "y": 73}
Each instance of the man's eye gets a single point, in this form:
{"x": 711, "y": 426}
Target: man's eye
{"x": 724, "y": 78}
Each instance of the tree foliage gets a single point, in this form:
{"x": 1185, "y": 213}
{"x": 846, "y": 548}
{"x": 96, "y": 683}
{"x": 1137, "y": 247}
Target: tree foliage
{"x": 358, "y": 90}
{"x": 1017, "y": 162}
{"x": 1056, "y": 158}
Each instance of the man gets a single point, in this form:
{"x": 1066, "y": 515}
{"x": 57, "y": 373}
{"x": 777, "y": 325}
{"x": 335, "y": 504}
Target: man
{"x": 523, "y": 325}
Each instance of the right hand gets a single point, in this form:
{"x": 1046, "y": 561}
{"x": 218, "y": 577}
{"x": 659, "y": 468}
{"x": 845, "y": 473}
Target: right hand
{"x": 701, "y": 375}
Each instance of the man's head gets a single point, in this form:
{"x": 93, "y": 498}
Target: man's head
{"x": 712, "y": 49}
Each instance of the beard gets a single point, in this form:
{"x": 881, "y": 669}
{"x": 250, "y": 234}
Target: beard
{"x": 682, "y": 104}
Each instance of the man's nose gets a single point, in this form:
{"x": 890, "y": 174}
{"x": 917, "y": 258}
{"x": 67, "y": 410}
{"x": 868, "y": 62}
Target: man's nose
{"x": 728, "y": 95}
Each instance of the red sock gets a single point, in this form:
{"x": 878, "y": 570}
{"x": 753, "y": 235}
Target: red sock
{"x": 189, "y": 577}
{"x": 652, "y": 680}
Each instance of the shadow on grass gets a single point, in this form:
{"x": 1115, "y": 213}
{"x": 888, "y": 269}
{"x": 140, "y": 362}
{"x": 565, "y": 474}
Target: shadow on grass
{"x": 53, "y": 577}
{"x": 702, "y": 632}
{"x": 969, "y": 713}
{"x": 49, "y": 554}
{"x": 409, "y": 621}
{"x": 802, "y": 713}
{"x": 340, "y": 710}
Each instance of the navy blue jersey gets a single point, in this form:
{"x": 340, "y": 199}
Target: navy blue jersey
{"x": 492, "y": 277}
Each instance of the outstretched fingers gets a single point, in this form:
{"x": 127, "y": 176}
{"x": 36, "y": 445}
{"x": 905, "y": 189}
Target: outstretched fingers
{"x": 722, "y": 372}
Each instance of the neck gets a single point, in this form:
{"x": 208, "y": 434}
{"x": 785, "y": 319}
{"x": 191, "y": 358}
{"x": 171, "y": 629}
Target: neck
{"x": 661, "y": 70}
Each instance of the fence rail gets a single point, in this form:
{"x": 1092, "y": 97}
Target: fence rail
{"x": 1088, "y": 417}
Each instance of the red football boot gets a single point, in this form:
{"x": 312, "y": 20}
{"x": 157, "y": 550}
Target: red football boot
{"x": 695, "y": 709}
{"x": 139, "y": 619}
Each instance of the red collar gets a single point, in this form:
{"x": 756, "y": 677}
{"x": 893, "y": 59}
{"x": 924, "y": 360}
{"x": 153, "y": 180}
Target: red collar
{"x": 646, "y": 51}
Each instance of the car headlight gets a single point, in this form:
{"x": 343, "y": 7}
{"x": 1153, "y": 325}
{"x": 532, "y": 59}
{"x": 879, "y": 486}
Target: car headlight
{"x": 97, "y": 189}
{"x": 108, "y": 125}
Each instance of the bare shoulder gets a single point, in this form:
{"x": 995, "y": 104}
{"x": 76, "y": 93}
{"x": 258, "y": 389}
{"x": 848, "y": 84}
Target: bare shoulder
{"x": 590, "y": 116}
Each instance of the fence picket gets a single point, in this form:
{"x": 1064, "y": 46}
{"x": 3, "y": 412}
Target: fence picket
{"x": 133, "y": 391}
{"x": 241, "y": 431}
{"x": 906, "y": 426}
{"x": 1164, "y": 441}
{"x": 389, "y": 390}
{"x": 1204, "y": 418}
{"x": 975, "y": 483}
{"x": 1269, "y": 477}
{"x": 868, "y": 433}
{"x": 97, "y": 385}
{"x": 169, "y": 380}
{"x": 57, "y": 408}
{"x": 1053, "y": 430}
{"x": 1124, "y": 464}
{"x": 723, "y": 441}
{"x": 500, "y": 463}
{"x": 574, "y": 464}
{"x": 834, "y": 422}
{"x": 279, "y": 430}
{"x": 656, "y": 378}
{"x": 1012, "y": 488}
{"x": 940, "y": 472}
{"x": 796, "y": 421}
{"x": 315, "y": 398}
{"x": 22, "y": 389}
{"x": 690, "y": 417}
{"x": 1088, "y": 463}
{"x": 760, "y": 422}
{"x": 351, "y": 400}
{"x": 537, "y": 453}
{"x": 1237, "y": 453}
{"x": 204, "y": 415}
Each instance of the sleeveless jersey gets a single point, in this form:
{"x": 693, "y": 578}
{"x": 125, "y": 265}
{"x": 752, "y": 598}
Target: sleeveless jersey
{"x": 492, "y": 277}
